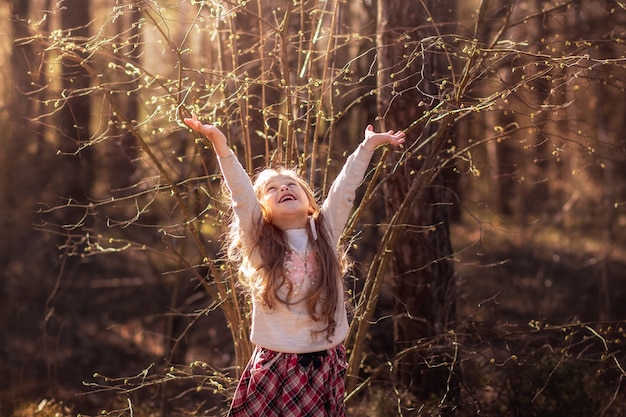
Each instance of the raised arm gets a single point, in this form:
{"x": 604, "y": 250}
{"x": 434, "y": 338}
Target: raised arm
{"x": 341, "y": 195}
{"x": 244, "y": 202}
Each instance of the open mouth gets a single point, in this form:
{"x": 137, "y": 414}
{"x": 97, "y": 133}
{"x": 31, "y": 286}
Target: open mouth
{"x": 287, "y": 197}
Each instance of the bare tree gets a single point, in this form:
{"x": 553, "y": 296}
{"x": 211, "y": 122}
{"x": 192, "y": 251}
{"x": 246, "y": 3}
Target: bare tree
{"x": 423, "y": 276}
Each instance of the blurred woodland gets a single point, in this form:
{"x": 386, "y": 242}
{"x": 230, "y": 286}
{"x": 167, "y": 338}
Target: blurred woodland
{"x": 489, "y": 252}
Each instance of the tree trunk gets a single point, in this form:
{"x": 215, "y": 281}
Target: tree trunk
{"x": 423, "y": 277}
{"x": 74, "y": 118}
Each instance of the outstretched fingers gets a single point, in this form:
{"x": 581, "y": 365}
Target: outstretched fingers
{"x": 193, "y": 123}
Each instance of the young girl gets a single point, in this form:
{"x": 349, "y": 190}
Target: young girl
{"x": 287, "y": 247}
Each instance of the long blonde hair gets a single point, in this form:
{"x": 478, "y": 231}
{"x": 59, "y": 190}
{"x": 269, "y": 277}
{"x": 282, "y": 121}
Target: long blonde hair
{"x": 271, "y": 243}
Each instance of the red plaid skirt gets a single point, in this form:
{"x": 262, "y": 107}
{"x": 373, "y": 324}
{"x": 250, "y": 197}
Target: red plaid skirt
{"x": 278, "y": 384}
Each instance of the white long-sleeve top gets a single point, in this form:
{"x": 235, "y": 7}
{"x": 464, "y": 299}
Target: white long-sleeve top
{"x": 290, "y": 328}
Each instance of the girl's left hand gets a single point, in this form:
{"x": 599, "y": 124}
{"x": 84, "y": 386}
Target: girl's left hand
{"x": 374, "y": 139}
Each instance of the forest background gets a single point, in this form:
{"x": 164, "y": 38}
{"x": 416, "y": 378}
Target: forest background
{"x": 489, "y": 252}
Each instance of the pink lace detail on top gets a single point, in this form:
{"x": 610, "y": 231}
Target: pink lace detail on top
{"x": 301, "y": 271}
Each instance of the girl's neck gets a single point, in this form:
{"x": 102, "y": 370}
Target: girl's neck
{"x": 297, "y": 239}
{"x": 290, "y": 222}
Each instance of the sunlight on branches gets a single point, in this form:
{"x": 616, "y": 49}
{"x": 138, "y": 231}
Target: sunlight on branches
{"x": 504, "y": 104}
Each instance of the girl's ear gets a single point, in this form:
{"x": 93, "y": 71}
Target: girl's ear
{"x": 266, "y": 214}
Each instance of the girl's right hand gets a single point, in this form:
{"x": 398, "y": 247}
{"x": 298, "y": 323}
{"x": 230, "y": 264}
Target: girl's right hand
{"x": 212, "y": 133}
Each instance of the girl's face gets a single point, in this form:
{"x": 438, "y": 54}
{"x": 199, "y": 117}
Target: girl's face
{"x": 285, "y": 201}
